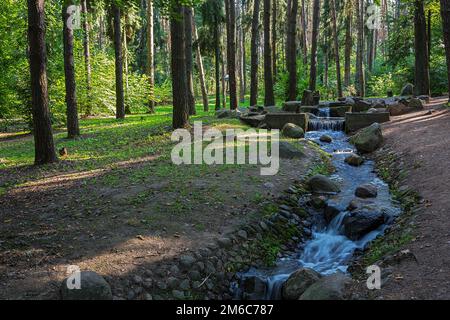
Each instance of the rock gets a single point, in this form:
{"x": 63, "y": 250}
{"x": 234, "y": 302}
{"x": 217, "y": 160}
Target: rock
{"x": 271, "y": 109}
{"x": 354, "y": 160}
{"x": 291, "y": 106}
{"x": 322, "y": 184}
{"x": 415, "y": 104}
{"x": 310, "y": 98}
{"x": 331, "y": 211}
{"x": 361, "y": 221}
{"x": 268, "y": 185}
{"x": 137, "y": 279}
{"x": 172, "y": 282}
{"x": 174, "y": 269}
{"x": 288, "y": 151}
{"x": 226, "y": 113}
{"x": 318, "y": 202}
{"x": 92, "y": 287}
{"x": 333, "y": 287}
{"x": 390, "y": 93}
{"x": 242, "y": 234}
{"x": 326, "y": 138}
{"x": 253, "y": 288}
{"x": 366, "y": 191}
{"x": 291, "y": 130}
{"x": 361, "y": 105}
{"x": 298, "y": 282}
{"x": 185, "y": 285}
{"x": 372, "y": 110}
{"x": 177, "y": 294}
{"x": 253, "y": 121}
{"x": 368, "y": 139}
{"x": 224, "y": 242}
{"x": 397, "y": 108}
{"x": 407, "y": 90}
{"x": 195, "y": 275}
{"x": 187, "y": 261}
{"x": 358, "y": 203}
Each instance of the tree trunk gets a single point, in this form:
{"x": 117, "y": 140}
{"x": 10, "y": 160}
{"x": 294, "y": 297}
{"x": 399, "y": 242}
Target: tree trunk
{"x": 42, "y": 127}
{"x": 120, "y": 101}
{"x": 217, "y": 63}
{"x": 254, "y": 55}
{"x": 73, "y": 129}
{"x": 178, "y": 66}
{"x": 269, "y": 99}
{"x": 348, "y": 43}
{"x": 291, "y": 51}
{"x": 445, "y": 14}
{"x": 231, "y": 53}
{"x": 304, "y": 37}
{"x": 274, "y": 38}
{"x": 125, "y": 55}
{"x": 241, "y": 62}
{"x": 314, "y": 38}
{"x": 429, "y": 35}
{"x": 422, "y": 72}
{"x": 336, "y": 47}
{"x": 87, "y": 56}
{"x": 359, "y": 75}
{"x": 150, "y": 56}
{"x": 201, "y": 70}
{"x": 189, "y": 60}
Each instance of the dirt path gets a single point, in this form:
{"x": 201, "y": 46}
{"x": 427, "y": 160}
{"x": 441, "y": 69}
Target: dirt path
{"x": 422, "y": 140}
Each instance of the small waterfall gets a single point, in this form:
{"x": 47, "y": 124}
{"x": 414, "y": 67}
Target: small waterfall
{"x": 324, "y": 112}
{"x": 326, "y": 124}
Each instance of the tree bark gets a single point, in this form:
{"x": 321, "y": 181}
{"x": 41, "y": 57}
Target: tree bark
{"x": 348, "y": 42}
{"x": 314, "y": 38}
{"x": 189, "y": 61}
{"x": 445, "y": 14}
{"x": 150, "y": 56}
{"x": 178, "y": 67}
{"x": 217, "y": 63}
{"x": 125, "y": 59}
{"x": 87, "y": 56}
{"x": 422, "y": 72}
{"x": 269, "y": 99}
{"x": 336, "y": 47}
{"x": 201, "y": 70}
{"x": 254, "y": 55}
{"x": 291, "y": 50}
{"x": 231, "y": 53}
{"x": 274, "y": 38}
{"x": 42, "y": 127}
{"x": 73, "y": 129}
{"x": 304, "y": 37}
{"x": 429, "y": 35}
{"x": 360, "y": 73}
{"x": 120, "y": 101}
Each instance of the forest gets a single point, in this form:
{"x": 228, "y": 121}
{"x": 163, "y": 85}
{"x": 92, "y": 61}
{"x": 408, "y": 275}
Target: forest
{"x": 92, "y": 94}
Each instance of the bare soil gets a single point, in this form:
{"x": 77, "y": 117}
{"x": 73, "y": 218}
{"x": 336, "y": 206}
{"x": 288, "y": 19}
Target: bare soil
{"x": 422, "y": 141}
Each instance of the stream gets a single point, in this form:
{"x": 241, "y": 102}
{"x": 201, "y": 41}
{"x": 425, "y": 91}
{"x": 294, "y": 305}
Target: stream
{"x": 329, "y": 250}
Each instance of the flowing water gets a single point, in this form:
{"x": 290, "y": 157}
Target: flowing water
{"x": 329, "y": 250}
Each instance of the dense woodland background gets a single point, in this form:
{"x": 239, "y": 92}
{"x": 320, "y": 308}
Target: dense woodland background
{"x": 131, "y": 56}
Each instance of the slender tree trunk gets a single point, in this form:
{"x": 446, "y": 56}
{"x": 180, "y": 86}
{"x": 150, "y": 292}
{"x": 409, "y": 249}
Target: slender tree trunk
{"x": 291, "y": 50}
{"x": 120, "y": 101}
{"x": 125, "y": 55}
{"x": 87, "y": 56}
{"x": 422, "y": 72}
{"x": 73, "y": 129}
{"x": 254, "y": 54}
{"x": 314, "y": 38}
{"x": 201, "y": 70}
{"x": 429, "y": 35}
{"x": 240, "y": 54}
{"x": 274, "y": 38}
{"x": 445, "y": 14}
{"x": 336, "y": 47}
{"x": 231, "y": 53}
{"x": 150, "y": 56}
{"x": 269, "y": 99}
{"x": 178, "y": 67}
{"x": 189, "y": 60}
{"x": 224, "y": 83}
{"x": 42, "y": 127}
{"x": 348, "y": 43}
{"x": 360, "y": 73}
{"x": 217, "y": 63}
{"x": 304, "y": 32}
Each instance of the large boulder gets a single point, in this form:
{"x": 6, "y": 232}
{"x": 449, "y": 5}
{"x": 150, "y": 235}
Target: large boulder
{"x": 361, "y": 221}
{"x": 331, "y": 211}
{"x": 361, "y": 105}
{"x": 298, "y": 282}
{"x": 332, "y": 287}
{"x": 326, "y": 138}
{"x": 407, "y": 90}
{"x": 291, "y": 106}
{"x": 322, "y": 184}
{"x": 92, "y": 287}
{"x": 310, "y": 98}
{"x": 366, "y": 191}
{"x": 254, "y": 288}
{"x": 288, "y": 151}
{"x": 253, "y": 121}
{"x": 368, "y": 139}
{"x": 226, "y": 113}
{"x": 397, "y": 108}
{"x": 415, "y": 104}
{"x": 291, "y": 130}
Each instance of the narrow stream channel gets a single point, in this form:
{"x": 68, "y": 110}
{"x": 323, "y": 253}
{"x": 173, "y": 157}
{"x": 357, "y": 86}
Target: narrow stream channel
{"x": 329, "y": 250}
